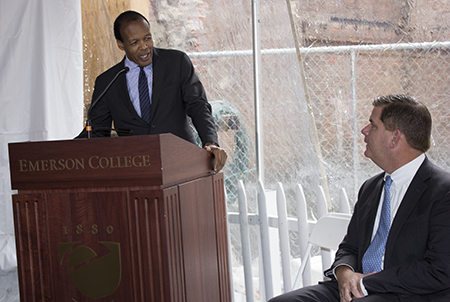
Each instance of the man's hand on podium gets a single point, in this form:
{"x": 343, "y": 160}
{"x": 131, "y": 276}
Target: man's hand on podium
{"x": 220, "y": 155}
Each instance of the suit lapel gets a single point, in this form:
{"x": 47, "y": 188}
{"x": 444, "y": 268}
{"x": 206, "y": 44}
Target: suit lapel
{"x": 123, "y": 93}
{"x": 412, "y": 196}
{"x": 159, "y": 70}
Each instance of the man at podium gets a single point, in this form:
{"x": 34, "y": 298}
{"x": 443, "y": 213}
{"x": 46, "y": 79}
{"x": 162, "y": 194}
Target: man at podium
{"x": 151, "y": 91}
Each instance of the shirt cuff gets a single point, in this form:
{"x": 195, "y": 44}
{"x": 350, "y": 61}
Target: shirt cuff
{"x": 363, "y": 288}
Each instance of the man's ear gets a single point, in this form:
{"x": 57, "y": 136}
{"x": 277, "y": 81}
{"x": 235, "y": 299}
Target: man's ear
{"x": 396, "y": 138}
{"x": 120, "y": 45}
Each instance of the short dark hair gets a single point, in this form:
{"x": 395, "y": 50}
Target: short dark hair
{"x": 410, "y": 116}
{"x": 126, "y": 17}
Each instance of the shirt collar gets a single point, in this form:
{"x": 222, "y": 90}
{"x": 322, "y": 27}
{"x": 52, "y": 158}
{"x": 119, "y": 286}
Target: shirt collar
{"x": 130, "y": 64}
{"x": 406, "y": 172}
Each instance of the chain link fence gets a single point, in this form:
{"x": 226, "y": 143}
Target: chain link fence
{"x": 342, "y": 82}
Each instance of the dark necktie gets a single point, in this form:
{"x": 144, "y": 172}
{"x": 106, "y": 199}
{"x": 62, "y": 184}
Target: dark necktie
{"x": 144, "y": 96}
{"x": 372, "y": 258}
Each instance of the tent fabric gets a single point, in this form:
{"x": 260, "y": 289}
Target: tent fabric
{"x": 41, "y": 95}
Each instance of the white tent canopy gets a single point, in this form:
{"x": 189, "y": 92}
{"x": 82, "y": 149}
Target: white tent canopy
{"x": 41, "y": 89}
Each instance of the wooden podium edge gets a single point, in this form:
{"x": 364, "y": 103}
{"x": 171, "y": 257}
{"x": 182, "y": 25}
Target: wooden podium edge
{"x": 163, "y": 160}
{"x": 222, "y": 237}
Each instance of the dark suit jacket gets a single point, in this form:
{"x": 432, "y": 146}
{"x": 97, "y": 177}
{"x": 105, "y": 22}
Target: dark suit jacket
{"x": 417, "y": 256}
{"x": 176, "y": 94}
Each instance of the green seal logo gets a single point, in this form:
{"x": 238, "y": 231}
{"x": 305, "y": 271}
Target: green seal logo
{"x": 98, "y": 278}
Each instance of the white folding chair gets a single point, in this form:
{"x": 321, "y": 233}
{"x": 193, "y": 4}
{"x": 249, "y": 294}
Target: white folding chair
{"x": 327, "y": 233}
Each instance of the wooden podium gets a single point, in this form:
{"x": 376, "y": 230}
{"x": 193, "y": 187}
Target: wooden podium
{"x": 119, "y": 219}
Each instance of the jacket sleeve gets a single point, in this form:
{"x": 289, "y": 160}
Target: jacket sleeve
{"x": 360, "y": 228}
{"x": 347, "y": 253}
{"x": 197, "y": 106}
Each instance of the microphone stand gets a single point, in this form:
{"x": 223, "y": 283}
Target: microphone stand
{"x": 88, "y": 120}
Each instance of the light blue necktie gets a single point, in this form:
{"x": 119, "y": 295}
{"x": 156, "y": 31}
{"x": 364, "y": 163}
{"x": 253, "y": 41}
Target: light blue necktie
{"x": 144, "y": 96}
{"x": 372, "y": 258}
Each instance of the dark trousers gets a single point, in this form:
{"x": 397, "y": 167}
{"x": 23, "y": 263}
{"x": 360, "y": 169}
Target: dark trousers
{"x": 327, "y": 292}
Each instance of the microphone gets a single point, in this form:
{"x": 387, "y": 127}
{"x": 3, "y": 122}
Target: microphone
{"x": 88, "y": 116}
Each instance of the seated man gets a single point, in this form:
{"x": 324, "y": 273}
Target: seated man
{"x": 397, "y": 246}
